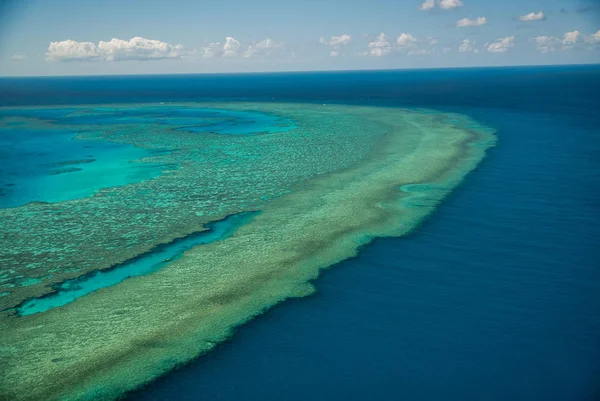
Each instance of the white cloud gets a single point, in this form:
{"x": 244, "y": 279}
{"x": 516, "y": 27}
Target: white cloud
{"x": 594, "y": 38}
{"x": 443, "y": 4}
{"x": 268, "y": 44}
{"x": 67, "y": 50}
{"x": 212, "y": 50}
{"x": 230, "y": 48}
{"x": 138, "y": 49}
{"x": 264, "y": 47}
{"x": 570, "y": 38}
{"x": 18, "y": 57}
{"x": 568, "y": 41}
{"x": 116, "y": 50}
{"x": 450, "y": 4}
{"x": 501, "y": 45}
{"x": 465, "y": 22}
{"x": 336, "y": 42}
{"x": 343, "y": 39}
{"x": 404, "y": 44}
{"x": 532, "y": 17}
{"x": 427, "y": 5}
{"x": 405, "y": 40}
{"x": 380, "y": 46}
{"x": 546, "y": 44}
{"x": 467, "y": 46}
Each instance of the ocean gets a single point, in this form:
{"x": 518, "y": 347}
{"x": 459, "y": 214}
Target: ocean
{"x": 496, "y": 296}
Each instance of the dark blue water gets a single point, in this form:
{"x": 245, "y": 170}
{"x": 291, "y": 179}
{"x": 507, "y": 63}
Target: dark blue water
{"x": 496, "y": 297}
{"x": 146, "y": 263}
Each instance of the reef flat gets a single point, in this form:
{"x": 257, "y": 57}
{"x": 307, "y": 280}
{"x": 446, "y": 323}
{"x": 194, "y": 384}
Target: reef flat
{"x": 233, "y": 165}
{"x": 341, "y": 176}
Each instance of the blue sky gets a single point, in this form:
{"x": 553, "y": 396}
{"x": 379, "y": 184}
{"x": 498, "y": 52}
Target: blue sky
{"x": 83, "y": 37}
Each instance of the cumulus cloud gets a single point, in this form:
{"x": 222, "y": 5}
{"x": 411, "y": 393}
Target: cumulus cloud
{"x": 427, "y": 5}
{"x": 532, "y": 17}
{"x": 136, "y": 48}
{"x": 404, "y": 44}
{"x": 501, "y": 45}
{"x": 405, "y": 40}
{"x": 466, "y": 22}
{"x": 450, "y": 4}
{"x": 230, "y": 48}
{"x": 336, "y": 42}
{"x": 68, "y": 50}
{"x": 571, "y": 38}
{"x": 594, "y": 38}
{"x": 18, "y": 57}
{"x": 467, "y": 46}
{"x": 443, "y": 4}
{"x": 545, "y": 44}
{"x": 264, "y": 47}
{"x": 380, "y": 46}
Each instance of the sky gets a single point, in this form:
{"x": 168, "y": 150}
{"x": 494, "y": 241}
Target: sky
{"x": 103, "y": 37}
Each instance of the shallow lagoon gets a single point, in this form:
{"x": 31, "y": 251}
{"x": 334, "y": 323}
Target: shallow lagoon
{"x": 43, "y": 162}
{"x": 53, "y": 166}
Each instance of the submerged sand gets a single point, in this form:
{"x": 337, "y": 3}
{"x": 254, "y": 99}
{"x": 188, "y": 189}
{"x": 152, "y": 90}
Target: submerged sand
{"x": 121, "y": 337}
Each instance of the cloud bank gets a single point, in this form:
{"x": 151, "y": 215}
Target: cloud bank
{"x": 569, "y": 40}
{"x": 137, "y": 48}
{"x": 404, "y": 44}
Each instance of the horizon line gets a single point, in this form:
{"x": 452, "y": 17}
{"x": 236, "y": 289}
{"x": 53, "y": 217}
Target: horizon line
{"x": 306, "y": 71}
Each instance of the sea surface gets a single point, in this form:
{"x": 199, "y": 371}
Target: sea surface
{"x": 495, "y": 297}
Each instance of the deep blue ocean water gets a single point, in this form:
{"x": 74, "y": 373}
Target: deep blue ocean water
{"x": 495, "y": 297}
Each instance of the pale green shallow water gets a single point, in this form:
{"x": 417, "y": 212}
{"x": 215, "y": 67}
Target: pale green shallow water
{"x": 346, "y": 174}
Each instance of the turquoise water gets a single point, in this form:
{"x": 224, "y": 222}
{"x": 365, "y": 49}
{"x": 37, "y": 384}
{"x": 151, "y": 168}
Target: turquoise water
{"x": 194, "y": 119}
{"x": 158, "y": 258}
{"x": 41, "y": 164}
{"x": 52, "y": 166}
